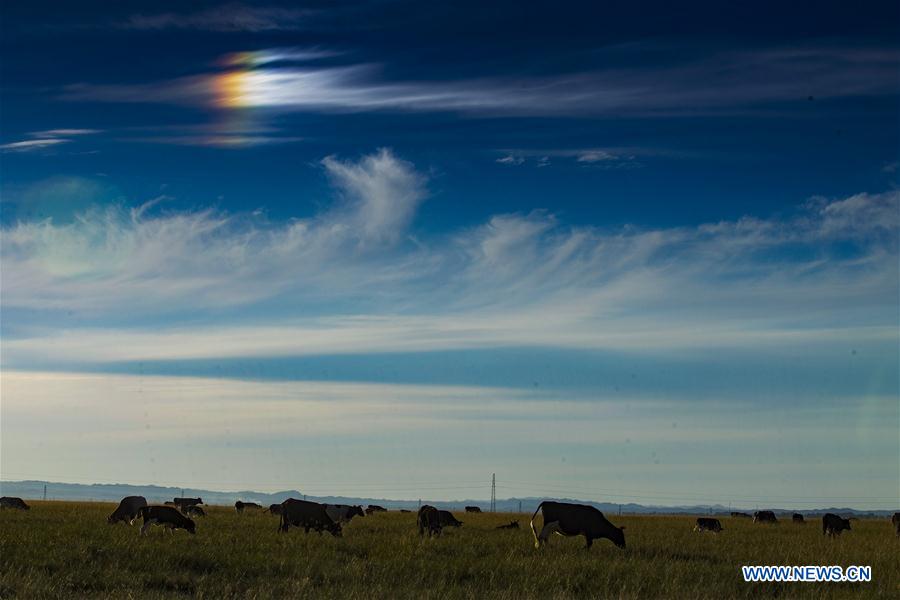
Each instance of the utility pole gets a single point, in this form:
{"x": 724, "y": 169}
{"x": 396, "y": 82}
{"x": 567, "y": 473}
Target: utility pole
{"x": 493, "y": 492}
{"x": 520, "y": 506}
{"x": 45, "y": 491}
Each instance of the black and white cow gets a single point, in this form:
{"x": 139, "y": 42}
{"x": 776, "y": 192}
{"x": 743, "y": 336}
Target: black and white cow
{"x": 166, "y": 516}
{"x": 128, "y": 510}
{"x": 575, "y": 519}
{"x": 797, "y": 519}
{"x": 473, "y": 509}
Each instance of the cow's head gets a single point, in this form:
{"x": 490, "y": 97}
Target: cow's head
{"x": 618, "y": 537}
{"x": 111, "y": 519}
{"x": 190, "y": 526}
{"x": 357, "y": 510}
{"x": 335, "y": 530}
{"x": 847, "y": 524}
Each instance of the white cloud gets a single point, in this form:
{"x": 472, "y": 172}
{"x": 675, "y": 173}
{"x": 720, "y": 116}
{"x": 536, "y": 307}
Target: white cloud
{"x": 32, "y": 145}
{"x": 382, "y": 193}
{"x": 593, "y": 156}
{"x": 51, "y": 133}
{"x": 732, "y": 81}
{"x": 509, "y": 159}
{"x": 350, "y": 279}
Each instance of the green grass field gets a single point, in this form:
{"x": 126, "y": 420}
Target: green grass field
{"x": 66, "y": 550}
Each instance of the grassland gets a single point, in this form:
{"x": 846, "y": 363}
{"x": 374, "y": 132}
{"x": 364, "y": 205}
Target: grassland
{"x": 66, "y": 550}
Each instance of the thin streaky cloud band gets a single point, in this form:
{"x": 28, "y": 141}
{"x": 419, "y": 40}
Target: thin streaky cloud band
{"x": 726, "y": 82}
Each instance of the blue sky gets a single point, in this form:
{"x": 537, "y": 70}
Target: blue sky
{"x": 606, "y": 251}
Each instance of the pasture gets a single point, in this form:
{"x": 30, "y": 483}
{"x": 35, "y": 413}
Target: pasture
{"x": 67, "y": 550}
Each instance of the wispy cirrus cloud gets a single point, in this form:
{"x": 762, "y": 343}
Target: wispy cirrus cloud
{"x": 355, "y": 277}
{"x": 32, "y": 145}
{"x": 46, "y": 139}
{"x": 231, "y": 17}
{"x": 736, "y": 81}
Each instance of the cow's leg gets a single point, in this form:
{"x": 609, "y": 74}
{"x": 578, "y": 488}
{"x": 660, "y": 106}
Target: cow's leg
{"x": 146, "y": 527}
{"x": 546, "y": 530}
{"x": 590, "y": 542}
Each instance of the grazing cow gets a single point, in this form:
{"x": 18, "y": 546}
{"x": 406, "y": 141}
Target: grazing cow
{"x": 128, "y": 510}
{"x": 181, "y": 503}
{"x": 473, "y": 509}
{"x": 14, "y": 503}
{"x": 167, "y": 517}
{"x": 575, "y": 519}
{"x": 895, "y": 520}
{"x": 447, "y": 519}
{"x": 429, "y": 520}
{"x": 194, "y": 511}
{"x": 833, "y": 525}
{"x": 374, "y": 508}
{"x": 275, "y": 509}
{"x": 510, "y": 525}
{"x": 343, "y": 513}
{"x": 708, "y": 524}
{"x": 741, "y": 515}
{"x": 242, "y": 506}
{"x": 764, "y": 516}
{"x": 403, "y": 510}
{"x": 308, "y": 515}
{"x": 798, "y": 519}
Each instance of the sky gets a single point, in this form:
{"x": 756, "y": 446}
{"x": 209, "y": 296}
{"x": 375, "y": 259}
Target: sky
{"x": 610, "y": 251}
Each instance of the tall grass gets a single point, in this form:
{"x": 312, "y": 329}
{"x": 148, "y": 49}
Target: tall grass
{"x": 66, "y": 550}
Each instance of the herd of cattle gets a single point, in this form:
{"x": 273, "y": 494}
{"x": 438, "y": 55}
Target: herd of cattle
{"x": 561, "y": 518}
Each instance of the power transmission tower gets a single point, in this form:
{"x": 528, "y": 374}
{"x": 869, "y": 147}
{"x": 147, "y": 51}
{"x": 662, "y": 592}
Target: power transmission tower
{"x": 493, "y": 492}
{"x": 45, "y": 491}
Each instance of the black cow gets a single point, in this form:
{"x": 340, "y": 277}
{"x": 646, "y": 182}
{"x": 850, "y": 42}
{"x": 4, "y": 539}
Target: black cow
{"x": 14, "y": 503}
{"x": 473, "y": 509}
{"x": 167, "y": 517}
{"x": 403, "y": 510}
{"x": 128, "y": 510}
{"x": 510, "y": 525}
{"x": 447, "y": 519}
{"x": 343, "y": 513}
{"x": 181, "y": 503}
{"x": 741, "y": 515}
{"x": 429, "y": 520}
{"x": 194, "y": 511}
{"x": 798, "y": 519}
{"x": 833, "y": 525}
{"x": 308, "y": 515}
{"x": 575, "y": 519}
{"x": 374, "y": 508}
{"x": 895, "y": 521}
{"x": 764, "y": 516}
{"x": 242, "y": 506}
{"x": 275, "y": 509}
{"x": 708, "y": 524}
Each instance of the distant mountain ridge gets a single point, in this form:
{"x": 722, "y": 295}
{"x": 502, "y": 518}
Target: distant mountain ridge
{"x": 113, "y": 492}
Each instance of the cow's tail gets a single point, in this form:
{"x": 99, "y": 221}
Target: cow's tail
{"x": 537, "y": 541}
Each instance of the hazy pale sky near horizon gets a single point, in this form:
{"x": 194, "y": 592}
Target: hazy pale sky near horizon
{"x": 622, "y": 253}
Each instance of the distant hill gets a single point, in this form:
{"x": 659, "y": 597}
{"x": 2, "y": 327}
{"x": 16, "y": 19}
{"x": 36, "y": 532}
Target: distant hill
{"x": 103, "y": 492}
